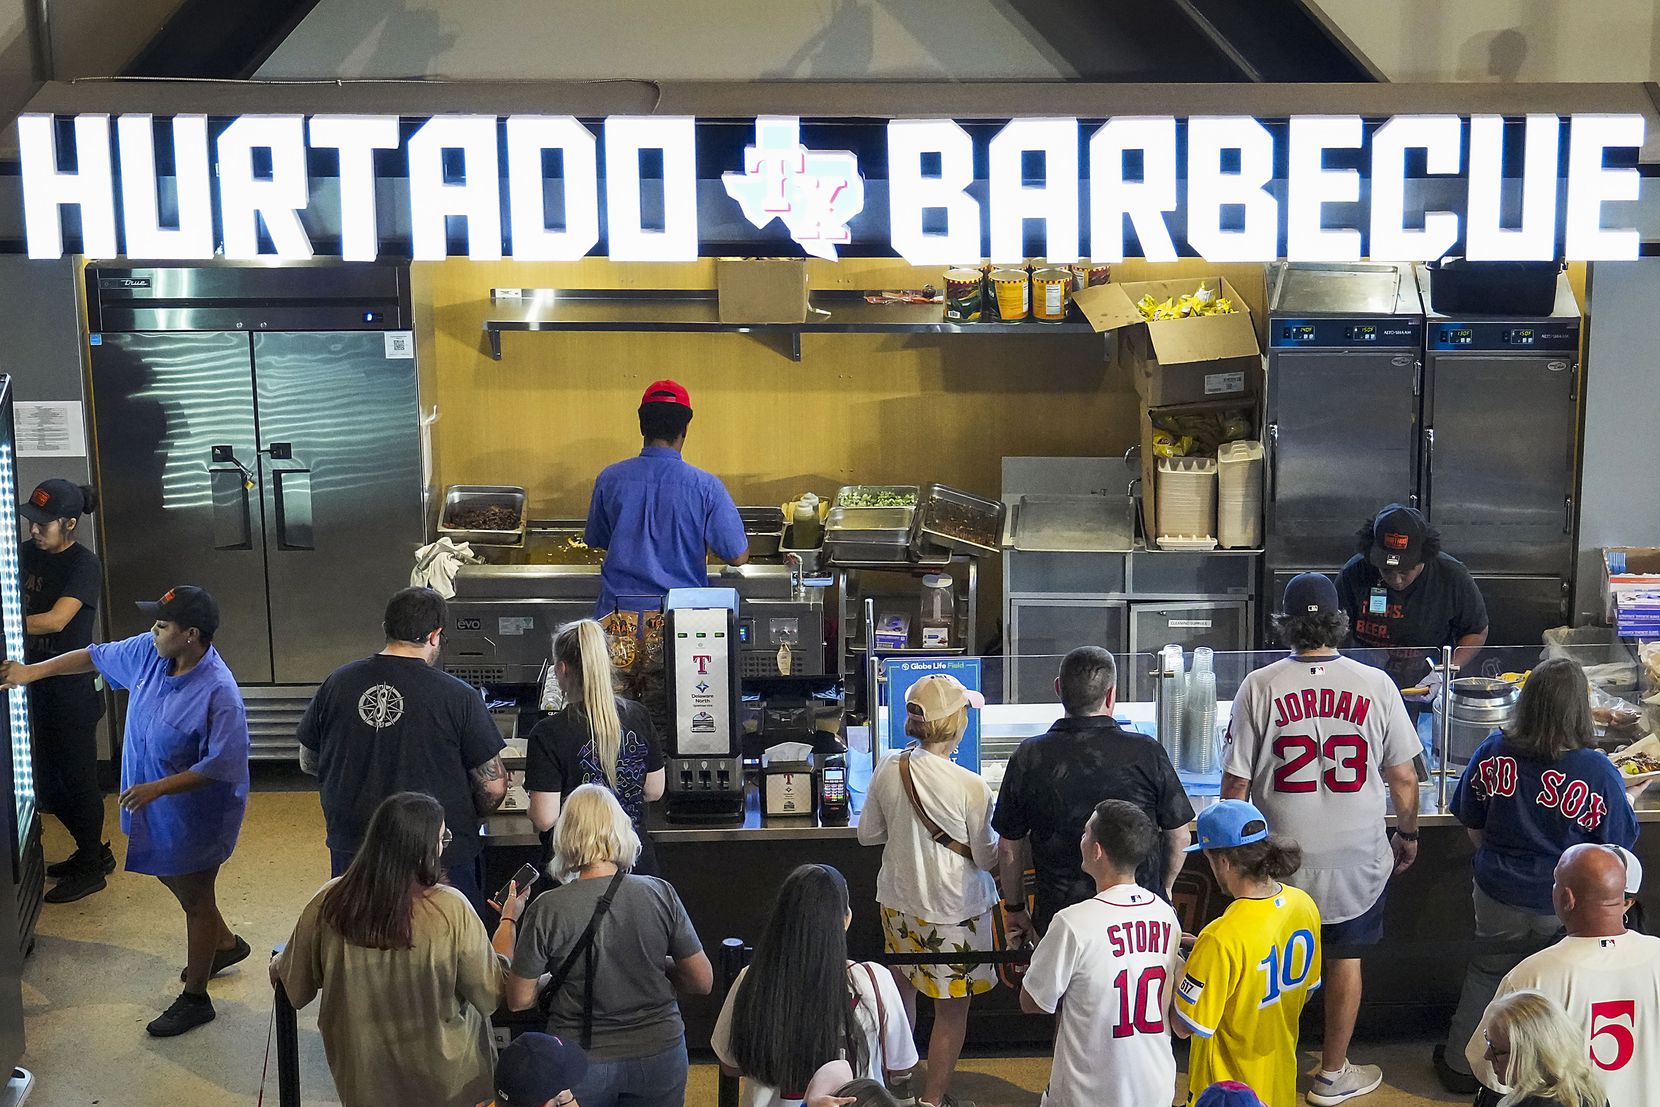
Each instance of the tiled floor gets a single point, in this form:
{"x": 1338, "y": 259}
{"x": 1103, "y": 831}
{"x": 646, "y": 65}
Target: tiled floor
{"x": 104, "y": 966}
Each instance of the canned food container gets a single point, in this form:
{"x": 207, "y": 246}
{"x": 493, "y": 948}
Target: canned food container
{"x": 1051, "y": 292}
{"x": 1087, "y": 276}
{"x": 964, "y": 295}
{"x": 1013, "y": 289}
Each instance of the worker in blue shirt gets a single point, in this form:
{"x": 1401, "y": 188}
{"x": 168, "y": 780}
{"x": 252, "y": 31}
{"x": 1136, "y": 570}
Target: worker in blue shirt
{"x": 656, "y": 517}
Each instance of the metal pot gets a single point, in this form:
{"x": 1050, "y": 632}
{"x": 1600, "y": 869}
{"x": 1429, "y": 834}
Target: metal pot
{"x": 1479, "y": 706}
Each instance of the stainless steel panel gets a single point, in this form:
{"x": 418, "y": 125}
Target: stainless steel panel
{"x": 1501, "y": 487}
{"x": 1309, "y": 288}
{"x": 1074, "y": 524}
{"x": 274, "y": 713}
{"x": 349, "y": 419}
{"x": 175, "y": 419}
{"x": 1342, "y": 443}
{"x": 1063, "y": 573}
{"x": 1192, "y": 574}
{"x": 1521, "y": 608}
{"x": 1224, "y": 627}
{"x": 1041, "y": 632}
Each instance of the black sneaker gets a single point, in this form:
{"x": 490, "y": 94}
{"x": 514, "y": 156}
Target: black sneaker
{"x": 77, "y": 884}
{"x": 187, "y": 1013}
{"x": 106, "y": 862}
{"x": 225, "y": 958}
{"x": 1458, "y": 1083}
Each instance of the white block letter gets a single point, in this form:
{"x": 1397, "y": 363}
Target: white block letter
{"x": 356, "y": 138}
{"x": 1055, "y": 201}
{"x": 1590, "y": 185}
{"x": 1209, "y": 189}
{"x": 676, "y": 137}
{"x": 527, "y": 137}
{"x": 1111, "y": 197}
{"x": 245, "y": 199}
{"x": 477, "y": 197}
{"x": 910, "y": 193}
{"x": 1311, "y": 186}
{"x": 1535, "y": 240}
{"x": 46, "y": 191}
{"x": 1441, "y": 137}
{"x": 140, "y": 207}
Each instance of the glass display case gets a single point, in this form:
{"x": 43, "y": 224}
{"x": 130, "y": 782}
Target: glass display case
{"x": 11, "y": 621}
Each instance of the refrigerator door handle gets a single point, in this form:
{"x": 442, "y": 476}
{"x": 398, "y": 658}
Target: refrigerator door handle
{"x": 1429, "y": 468}
{"x": 291, "y": 490}
{"x": 232, "y": 515}
{"x": 1273, "y": 462}
{"x": 1567, "y": 515}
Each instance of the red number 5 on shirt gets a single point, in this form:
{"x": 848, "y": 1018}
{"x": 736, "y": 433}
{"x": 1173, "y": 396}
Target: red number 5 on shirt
{"x": 1606, "y": 1023}
{"x": 1346, "y": 754}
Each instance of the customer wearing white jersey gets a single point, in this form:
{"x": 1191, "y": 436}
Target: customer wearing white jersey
{"x": 1606, "y": 977}
{"x": 1318, "y": 742}
{"x": 1109, "y": 965}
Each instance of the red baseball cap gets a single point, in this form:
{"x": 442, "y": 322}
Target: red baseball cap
{"x": 666, "y": 392}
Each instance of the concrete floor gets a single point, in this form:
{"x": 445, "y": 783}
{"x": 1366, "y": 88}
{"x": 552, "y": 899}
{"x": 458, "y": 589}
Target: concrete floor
{"x": 105, "y": 966}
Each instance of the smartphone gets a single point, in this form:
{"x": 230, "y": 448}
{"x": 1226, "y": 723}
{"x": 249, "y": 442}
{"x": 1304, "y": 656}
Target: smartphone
{"x": 524, "y": 878}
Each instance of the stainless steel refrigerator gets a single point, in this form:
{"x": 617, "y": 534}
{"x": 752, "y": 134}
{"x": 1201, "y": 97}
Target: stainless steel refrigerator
{"x": 258, "y": 434}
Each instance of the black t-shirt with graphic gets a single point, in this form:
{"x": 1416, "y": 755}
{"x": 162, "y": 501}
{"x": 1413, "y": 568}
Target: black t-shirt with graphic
{"x": 560, "y": 756}
{"x": 47, "y": 578}
{"x": 1051, "y": 787}
{"x": 395, "y": 724}
{"x": 1440, "y": 607}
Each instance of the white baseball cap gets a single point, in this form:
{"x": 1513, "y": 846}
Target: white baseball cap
{"x": 935, "y": 697}
{"x": 1633, "y": 869}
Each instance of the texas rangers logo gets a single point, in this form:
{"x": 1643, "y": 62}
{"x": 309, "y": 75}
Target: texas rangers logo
{"x": 814, "y": 192}
{"x": 380, "y": 707}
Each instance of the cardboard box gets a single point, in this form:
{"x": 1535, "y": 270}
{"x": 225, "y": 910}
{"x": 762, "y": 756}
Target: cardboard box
{"x": 1149, "y": 460}
{"x": 761, "y": 290}
{"x": 1631, "y": 579}
{"x": 1179, "y": 361}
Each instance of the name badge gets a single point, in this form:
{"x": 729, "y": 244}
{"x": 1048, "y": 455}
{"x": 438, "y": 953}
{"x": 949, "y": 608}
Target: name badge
{"x": 1378, "y": 603}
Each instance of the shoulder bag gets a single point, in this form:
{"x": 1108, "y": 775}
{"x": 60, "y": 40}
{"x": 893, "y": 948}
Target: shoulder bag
{"x": 584, "y": 947}
{"x": 929, "y": 826}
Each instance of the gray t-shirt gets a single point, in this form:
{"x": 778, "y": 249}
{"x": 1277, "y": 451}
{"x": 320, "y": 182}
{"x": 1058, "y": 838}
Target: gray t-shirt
{"x": 635, "y": 1014}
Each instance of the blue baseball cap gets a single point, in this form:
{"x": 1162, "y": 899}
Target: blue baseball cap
{"x": 1222, "y": 826}
{"x": 1310, "y": 594}
{"x": 537, "y": 1068}
{"x": 1228, "y": 1093}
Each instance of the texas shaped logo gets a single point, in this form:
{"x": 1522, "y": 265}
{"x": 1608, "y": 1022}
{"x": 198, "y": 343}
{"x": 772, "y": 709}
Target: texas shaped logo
{"x": 814, "y": 192}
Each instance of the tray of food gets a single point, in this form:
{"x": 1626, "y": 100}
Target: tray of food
{"x": 876, "y": 495}
{"x": 483, "y": 514}
{"x": 1639, "y": 762}
{"x": 950, "y": 519}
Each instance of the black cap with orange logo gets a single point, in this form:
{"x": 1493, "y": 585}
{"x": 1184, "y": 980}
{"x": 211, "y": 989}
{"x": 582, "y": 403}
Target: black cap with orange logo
{"x": 185, "y": 606}
{"x": 1398, "y": 535}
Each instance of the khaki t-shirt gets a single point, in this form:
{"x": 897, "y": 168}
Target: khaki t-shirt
{"x": 404, "y": 1026}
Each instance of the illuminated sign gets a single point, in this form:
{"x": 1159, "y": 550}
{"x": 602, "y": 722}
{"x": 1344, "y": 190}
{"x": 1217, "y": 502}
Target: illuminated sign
{"x": 554, "y": 188}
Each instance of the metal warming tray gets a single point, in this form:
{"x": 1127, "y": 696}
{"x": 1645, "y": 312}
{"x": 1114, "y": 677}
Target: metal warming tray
{"x": 459, "y": 496}
{"x": 1074, "y": 524}
{"x": 950, "y": 519}
{"x": 764, "y": 527}
{"x": 849, "y": 495}
{"x": 868, "y": 534}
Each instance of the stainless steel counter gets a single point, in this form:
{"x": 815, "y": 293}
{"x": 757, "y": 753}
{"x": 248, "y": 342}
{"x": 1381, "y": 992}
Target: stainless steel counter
{"x": 515, "y": 829}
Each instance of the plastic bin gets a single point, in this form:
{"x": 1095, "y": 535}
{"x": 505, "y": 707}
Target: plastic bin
{"x": 1457, "y": 285}
{"x": 1239, "y": 495}
{"x": 1186, "y": 497}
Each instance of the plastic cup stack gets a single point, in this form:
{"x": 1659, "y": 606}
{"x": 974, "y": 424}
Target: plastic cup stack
{"x": 1199, "y": 716}
{"x": 1174, "y": 683}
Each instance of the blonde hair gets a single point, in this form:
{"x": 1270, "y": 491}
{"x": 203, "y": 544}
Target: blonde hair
{"x": 592, "y": 829}
{"x": 937, "y": 732}
{"x": 583, "y": 648}
{"x": 1549, "y": 1057}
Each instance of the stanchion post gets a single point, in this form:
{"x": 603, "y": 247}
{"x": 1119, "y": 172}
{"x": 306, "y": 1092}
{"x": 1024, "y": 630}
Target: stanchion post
{"x": 288, "y": 1050}
{"x": 730, "y": 962}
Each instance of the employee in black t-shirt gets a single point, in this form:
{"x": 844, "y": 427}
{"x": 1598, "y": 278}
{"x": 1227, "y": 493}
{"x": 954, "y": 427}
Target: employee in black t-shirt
{"x": 393, "y": 723}
{"x": 62, "y": 581}
{"x": 1053, "y": 782}
{"x": 598, "y": 737}
{"x": 1400, "y": 591}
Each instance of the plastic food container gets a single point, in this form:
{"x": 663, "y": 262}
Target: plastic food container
{"x": 1239, "y": 495}
{"x": 1186, "y": 497}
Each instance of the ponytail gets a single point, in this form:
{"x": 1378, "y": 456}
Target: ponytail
{"x": 1274, "y": 857}
{"x": 89, "y": 499}
{"x": 583, "y": 649}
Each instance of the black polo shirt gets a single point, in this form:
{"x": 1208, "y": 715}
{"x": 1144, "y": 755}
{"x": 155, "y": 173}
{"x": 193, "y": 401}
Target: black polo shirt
{"x": 1051, "y": 787}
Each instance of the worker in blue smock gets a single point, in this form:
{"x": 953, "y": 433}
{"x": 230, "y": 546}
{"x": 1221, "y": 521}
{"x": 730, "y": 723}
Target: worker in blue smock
{"x": 658, "y": 518}
{"x": 184, "y": 773}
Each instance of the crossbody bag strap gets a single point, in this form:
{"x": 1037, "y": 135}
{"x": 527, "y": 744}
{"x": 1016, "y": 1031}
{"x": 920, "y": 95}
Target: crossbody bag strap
{"x": 933, "y": 829}
{"x": 881, "y": 1022}
{"x": 584, "y": 947}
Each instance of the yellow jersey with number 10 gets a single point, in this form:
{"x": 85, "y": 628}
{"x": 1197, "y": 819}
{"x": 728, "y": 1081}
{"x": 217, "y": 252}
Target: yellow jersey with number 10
{"x": 1243, "y": 992}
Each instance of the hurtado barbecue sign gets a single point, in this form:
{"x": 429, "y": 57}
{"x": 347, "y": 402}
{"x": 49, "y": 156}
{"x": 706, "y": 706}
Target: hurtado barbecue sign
{"x": 1228, "y": 189}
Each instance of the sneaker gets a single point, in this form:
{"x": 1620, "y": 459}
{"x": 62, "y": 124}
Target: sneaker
{"x": 1356, "y": 1080}
{"x": 77, "y": 884}
{"x": 106, "y": 860}
{"x": 1459, "y": 1083}
{"x": 225, "y": 958}
{"x": 187, "y": 1013}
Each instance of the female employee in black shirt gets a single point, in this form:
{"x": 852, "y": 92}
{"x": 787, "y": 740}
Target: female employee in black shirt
{"x": 62, "y": 581}
{"x": 1400, "y": 591}
{"x": 596, "y": 738}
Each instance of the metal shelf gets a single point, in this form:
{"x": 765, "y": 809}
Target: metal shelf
{"x": 699, "y": 311}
